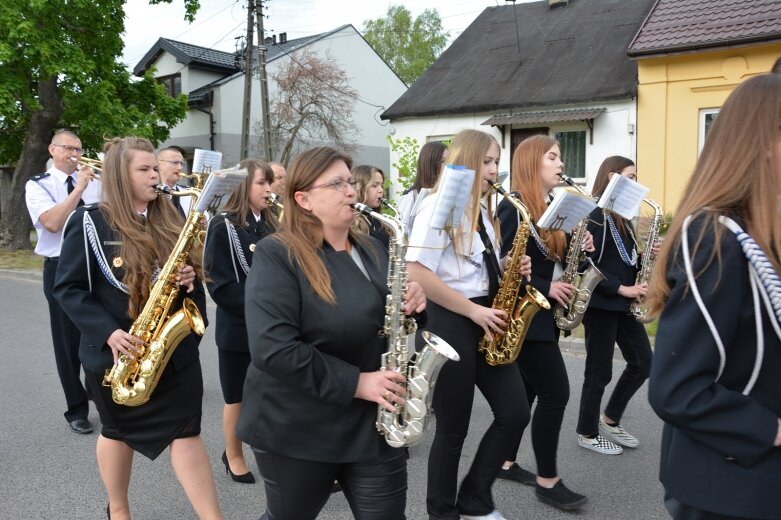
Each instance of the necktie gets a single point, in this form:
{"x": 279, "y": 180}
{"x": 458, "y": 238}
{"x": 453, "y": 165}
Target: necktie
{"x": 71, "y": 186}
{"x": 491, "y": 263}
{"x": 178, "y": 205}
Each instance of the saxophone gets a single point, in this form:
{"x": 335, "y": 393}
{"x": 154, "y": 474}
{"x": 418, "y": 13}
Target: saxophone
{"x": 504, "y": 348}
{"x": 569, "y": 317}
{"x": 406, "y": 425}
{"x": 276, "y": 201}
{"x": 638, "y": 308}
{"x": 132, "y": 381}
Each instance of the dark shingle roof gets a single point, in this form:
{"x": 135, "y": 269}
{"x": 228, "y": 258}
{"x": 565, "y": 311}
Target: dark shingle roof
{"x": 680, "y": 25}
{"x": 570, "y": 54}
{"x": 548, "y": 116}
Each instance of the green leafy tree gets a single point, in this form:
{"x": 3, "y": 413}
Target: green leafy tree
{"x": 408, "y": 46}
{"x": 60, "y": 68}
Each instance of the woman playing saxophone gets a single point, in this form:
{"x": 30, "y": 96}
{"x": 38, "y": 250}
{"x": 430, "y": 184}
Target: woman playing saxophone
{"x": 110, "y": 252}
{"x": 608, "y": 322}
{"x": 314, "y": 304}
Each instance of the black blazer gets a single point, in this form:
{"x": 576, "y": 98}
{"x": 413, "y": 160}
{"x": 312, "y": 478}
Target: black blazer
{"x": 543, "y": 326}
{"x": 717, "y": 444}
{"x": 89, "y": 296}
{"x": 227, "y": 257}
{"x": 608, "y": 260}
{"x": 307, "y": 355}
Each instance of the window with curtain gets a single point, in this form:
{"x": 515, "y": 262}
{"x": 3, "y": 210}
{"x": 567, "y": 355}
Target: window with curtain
{"x": 573, "y": 152}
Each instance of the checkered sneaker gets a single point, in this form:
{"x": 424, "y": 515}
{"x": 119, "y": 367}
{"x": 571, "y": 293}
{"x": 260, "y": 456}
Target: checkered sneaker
{"x": 617, "y": 434}
{"x": 600, "y": 445}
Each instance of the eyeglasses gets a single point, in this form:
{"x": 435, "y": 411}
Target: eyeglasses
{"x": 74, "y": 149}
{"x": 337, "y": 184}
{"x": 175, "y": 163}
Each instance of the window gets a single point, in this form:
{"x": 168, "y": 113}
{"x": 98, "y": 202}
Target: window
{"x": 172, "y": 84}
{"x": 707, "y": 117}
{"x": 573, "y": 152}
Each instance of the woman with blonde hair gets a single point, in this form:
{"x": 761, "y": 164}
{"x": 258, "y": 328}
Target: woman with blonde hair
{"x": 244, "y": 220}
{"x": 369, "y": 183}
{"x": 314, "y": 303}
{"x": 717, "y": 357}
{"x": 536, "y": 170}
{"x": 459, "y": 270}
{"x": 110, "y": 254}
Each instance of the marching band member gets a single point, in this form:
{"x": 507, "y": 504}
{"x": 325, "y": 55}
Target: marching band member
{"x": 459, "y": 271}
{"x": 50, "y": 198}
{"x": 230, "y": 242}
{"x": 607, "y": 322}
{"x": 315, "y": 301}
{"x": 109, "y": 254}
{"x": 431, "y": 162}
{"x": 537, "y": 169}
{"x": 370, "y": 187}
{"x": 714, "y": 376}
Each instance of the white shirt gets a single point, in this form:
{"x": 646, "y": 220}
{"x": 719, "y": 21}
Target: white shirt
{"x": 43, "y": 194}
{"x": 464, "y": 271}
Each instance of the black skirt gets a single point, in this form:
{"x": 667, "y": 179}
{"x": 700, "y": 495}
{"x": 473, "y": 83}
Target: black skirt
{"x": 233, "y": 371}
{"x": 173, "y": 412}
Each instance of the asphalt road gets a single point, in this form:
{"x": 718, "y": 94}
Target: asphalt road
{"x": 48, "y": 472}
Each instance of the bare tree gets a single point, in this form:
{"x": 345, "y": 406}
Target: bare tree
{"x": 312, "y": 104}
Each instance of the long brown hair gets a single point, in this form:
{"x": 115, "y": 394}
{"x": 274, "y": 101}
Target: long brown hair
{"x": 736, "y": 174}
{"x": 146, "y": 243}
{"x": 468, "y": 149}
{"x": 526, "y": 163}
{"x": 430, "y": 163}
{"x": 302, "y": 231}
{"x": 614, "y": 164}
{"x": 238, "y": 203}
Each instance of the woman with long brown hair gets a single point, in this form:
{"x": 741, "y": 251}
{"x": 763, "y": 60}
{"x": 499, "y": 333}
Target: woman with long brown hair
{"x": 369, "y": 184}
{"x": 536, "y": 170}
{"x": 459, "y": 270}
{"x": 607, "y": 322}
{"x": 244, "y": 220}
{"x": 110, "y": 253}
{"x": 431, "y": 162}
{"x": 717, "y": 357}
{"x": 314, "y": 303}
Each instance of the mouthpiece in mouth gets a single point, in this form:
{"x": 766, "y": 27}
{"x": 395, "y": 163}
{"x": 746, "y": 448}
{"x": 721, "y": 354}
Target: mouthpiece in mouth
{"x": 163, "y": 188}
{"x": 362, "y": 208}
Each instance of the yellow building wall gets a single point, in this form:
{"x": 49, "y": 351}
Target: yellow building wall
{"x": 671, "y": 92}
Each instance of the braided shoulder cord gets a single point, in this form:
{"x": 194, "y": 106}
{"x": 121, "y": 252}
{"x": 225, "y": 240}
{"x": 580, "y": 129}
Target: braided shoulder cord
{"x": 233, "y": 236}
{"x": 91, "y": 233}
{"x": 630, "y": 261}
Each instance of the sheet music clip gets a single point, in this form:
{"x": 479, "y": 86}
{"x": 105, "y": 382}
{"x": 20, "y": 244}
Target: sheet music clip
{"x": 453, "y": 192}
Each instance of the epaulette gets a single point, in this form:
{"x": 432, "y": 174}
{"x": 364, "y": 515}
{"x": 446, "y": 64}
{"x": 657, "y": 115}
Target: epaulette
{"x": 40, "y": 176}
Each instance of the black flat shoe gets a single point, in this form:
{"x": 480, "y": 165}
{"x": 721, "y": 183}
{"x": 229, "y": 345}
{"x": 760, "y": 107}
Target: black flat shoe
{"x": 247, "y": 478}
{"x": 560, "y": 496}
{"x": 80, "y": 426}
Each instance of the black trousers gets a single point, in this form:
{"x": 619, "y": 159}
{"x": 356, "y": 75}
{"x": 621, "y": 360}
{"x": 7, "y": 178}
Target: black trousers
{"x": 453, "y": 395}
{"x": 603, "y": 330}
{"x": 545, "y": 376}
{"x": 65, "y": 339}
{"x": 298, "y": 489}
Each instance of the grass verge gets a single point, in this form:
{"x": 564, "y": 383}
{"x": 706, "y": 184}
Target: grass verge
{"x": 24, "y": 260}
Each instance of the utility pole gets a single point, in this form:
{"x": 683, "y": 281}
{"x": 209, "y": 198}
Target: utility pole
{"x": 245, "y": 117}
{"x": 267, "y": 151}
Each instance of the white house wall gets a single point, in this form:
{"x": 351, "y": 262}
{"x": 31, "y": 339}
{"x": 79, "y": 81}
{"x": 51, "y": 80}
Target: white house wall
{"x": 611, "y": 132}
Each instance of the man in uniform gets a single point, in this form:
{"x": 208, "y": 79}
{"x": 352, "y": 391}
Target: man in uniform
{"x": 170, "y": 163}
{"x": 51, "y": 197}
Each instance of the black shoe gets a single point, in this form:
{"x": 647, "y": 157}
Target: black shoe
{"x": 336, "y": 487}
{"x": 518, "y": 474}
{"x": 108, "y": 510}
{"x": 247, "y": 478}
{"x": 560, "y": 496}
{"x": 80, "y": 426}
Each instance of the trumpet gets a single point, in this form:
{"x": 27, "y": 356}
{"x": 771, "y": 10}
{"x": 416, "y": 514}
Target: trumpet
{"x": 95, "y": 164}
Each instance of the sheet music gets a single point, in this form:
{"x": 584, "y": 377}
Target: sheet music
{"x": 567, "y": 209}
{"x": 454, "y": 189}
{"x": 218, "y": 188}
{"x": 206, "y": 160}
{"x": 623, "y": 196}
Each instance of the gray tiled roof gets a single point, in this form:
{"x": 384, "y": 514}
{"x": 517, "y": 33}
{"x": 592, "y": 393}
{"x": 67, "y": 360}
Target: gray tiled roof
{"x": 570, "y": 54}
{"x": 548, "y": 116}
{"x": 680, "y": 25}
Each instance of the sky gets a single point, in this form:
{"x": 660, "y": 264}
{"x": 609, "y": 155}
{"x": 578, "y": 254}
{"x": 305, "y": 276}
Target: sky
{"x": 219, "y": 22}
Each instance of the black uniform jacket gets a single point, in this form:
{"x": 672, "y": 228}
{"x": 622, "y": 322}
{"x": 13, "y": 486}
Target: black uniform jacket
{"x": 608, "y": 260}
{"x": 717, "y": 444}
{"x": 93, "y": 302}
{"x": 307, "y": 355}
{"x": 543, "y": 327}
{"x": 227, "y": 257}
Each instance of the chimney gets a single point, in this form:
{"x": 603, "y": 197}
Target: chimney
{"x": 557, "y": 3}
{"x": 283, "y": 37}
{"x": 271, "y": 40}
